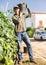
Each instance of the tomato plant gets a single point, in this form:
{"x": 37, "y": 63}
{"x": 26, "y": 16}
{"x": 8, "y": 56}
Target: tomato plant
{"x": 8, "y": 45}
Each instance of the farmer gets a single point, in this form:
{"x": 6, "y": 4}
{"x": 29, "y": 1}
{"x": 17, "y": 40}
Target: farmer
{"x": 19, "y": 19}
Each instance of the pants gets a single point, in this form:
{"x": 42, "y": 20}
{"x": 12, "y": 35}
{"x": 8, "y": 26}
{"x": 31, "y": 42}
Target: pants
{"x": 23, "y": 36}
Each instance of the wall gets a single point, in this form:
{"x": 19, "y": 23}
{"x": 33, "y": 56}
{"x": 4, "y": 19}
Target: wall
{"x": 36, "y": 18}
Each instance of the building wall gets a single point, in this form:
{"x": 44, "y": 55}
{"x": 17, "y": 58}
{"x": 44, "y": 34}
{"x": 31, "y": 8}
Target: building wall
{"x": 36, "y": 18}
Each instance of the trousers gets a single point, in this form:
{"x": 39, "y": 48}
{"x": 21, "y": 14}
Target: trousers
{"x": 23, "y": 36}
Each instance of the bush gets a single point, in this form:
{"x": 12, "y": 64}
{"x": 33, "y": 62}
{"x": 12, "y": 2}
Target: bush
{"x": 8, "y": 46}
{"x": 30, "y": 34}
{"x": 44, "y": 28}
{"x": 30, "y": 31}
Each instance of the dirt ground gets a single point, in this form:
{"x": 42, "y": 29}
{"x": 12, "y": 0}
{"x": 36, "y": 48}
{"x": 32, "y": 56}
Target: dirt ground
{"x": 39, "y": 52}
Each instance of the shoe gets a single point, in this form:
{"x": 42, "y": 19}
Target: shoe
{"x": 33, "y": 61}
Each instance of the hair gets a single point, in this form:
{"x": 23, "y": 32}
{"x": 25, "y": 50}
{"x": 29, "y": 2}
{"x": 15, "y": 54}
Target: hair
{"x": 14, "y": 8}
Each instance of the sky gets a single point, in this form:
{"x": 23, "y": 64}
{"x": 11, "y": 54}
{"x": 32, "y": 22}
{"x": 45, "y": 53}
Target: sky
{"x": 34, "y": 5}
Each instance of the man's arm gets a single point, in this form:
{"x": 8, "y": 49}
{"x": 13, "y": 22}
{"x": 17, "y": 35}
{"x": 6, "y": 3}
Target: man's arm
{"x": 29, "y": 13}
{"x": 14, "y": 19}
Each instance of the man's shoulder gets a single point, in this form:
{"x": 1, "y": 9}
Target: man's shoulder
{"x": 14, "y": 16}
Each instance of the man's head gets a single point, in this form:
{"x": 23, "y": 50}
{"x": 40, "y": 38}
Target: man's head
{"x": 16, "y": 10}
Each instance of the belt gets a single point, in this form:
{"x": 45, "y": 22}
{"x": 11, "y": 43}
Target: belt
{"x": 23, "y": 31}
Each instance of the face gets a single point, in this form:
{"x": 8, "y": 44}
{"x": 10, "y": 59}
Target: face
{"x": 17, "y": 11}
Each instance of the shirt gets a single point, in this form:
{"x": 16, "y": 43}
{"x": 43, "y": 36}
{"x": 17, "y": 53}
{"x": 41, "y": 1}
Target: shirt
{"x": 20, "y": 21}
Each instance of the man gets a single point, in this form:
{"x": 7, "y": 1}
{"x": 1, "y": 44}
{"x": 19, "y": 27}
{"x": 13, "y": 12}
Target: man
{"x": 19, "y": 19}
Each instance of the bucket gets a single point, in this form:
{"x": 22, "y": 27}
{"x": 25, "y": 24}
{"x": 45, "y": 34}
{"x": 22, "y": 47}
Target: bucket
{"x": 22, "y": 7}
{"x": 25, "y": 50}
